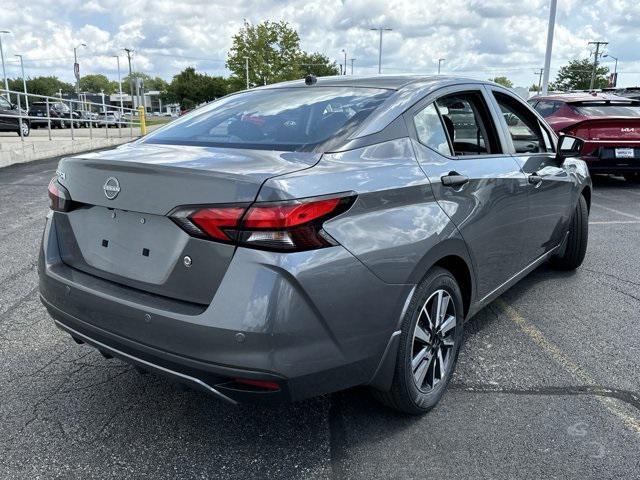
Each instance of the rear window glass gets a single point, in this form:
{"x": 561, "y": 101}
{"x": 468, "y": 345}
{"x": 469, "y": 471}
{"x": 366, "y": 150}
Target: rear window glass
{"x": 607, "y": 109}
{"x": 294, "y": 119}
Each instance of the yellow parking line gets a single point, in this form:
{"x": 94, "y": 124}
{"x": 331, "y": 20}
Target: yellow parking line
{"x": 575, "y": 370}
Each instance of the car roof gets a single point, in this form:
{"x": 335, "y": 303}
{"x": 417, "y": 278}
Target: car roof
{"x": 391, "y": 82}
{"x": 578, "y": 97}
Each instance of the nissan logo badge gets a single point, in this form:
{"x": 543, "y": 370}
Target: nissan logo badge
{"x": 111, "y": 188}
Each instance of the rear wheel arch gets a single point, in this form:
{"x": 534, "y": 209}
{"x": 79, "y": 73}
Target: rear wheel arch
{"x": 586, "y": 193}
{"x": 458, "y": 267}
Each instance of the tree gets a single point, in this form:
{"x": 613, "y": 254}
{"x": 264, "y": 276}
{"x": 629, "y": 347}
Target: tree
{"x": 534, "y": 88}
{"x": 96, "y": 83}
{"x": 192, "y": 88}
{"x": 149, "y": 83}
{"x": 273, "y": 49}
{"x": 317, "y": 64}
{"x": 504, "y": 81}
{"x": 49, "y": 86}
{"x": 577, "y": 76}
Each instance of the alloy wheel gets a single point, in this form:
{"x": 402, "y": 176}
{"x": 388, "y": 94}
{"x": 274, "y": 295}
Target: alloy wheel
{"x": 25, "y": 129}
{"x": 434, "y": 340}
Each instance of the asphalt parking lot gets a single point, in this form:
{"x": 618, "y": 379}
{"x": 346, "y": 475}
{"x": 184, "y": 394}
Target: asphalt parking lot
{"x": 547, "y": 386}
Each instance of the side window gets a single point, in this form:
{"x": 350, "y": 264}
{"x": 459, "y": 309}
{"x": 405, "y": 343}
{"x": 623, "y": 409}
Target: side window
{"x": 430, "y": 130}
{"x": 523, "y": 125}
{"x": 468, "y": 124}
{"x": 4, "y": 104}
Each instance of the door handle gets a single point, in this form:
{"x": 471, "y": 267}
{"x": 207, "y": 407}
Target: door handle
{"x": 454, "y": 179}
{"x": 535, "y": 179}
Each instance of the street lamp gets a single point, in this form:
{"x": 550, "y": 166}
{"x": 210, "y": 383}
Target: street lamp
{"x": 246, "y": 70}
{"x": 440, "y": 60}
{"x": 4, "y": 72}
{"x": 76, "y": 67}
{"x": 24, "y": 82}
{"x": 615, "y": 69}
{"x": 380, "y": 29}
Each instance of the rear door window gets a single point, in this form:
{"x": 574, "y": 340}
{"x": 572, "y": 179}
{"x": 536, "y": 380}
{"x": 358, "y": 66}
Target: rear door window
{"x": 522, "y": 124}
{"x": 467, "y": 121}
{"x": 276, "y": 119}
{"x": 547, "y": 108}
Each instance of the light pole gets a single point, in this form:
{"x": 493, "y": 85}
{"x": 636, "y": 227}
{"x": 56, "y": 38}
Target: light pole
{"x": 76, "y": 67}
{"x": 24, "y": 82}
{"x": 615, "y": 69}
{"x": 4, "y": 72}
{"x": 345, "y": 61}
{"x": 380, "y": 29}
{"x": 120, "y": 87}
{"x": 352, "y": 60}
{"x": 440, "y": 60}
{"x": 547, "y": 55}
{"x": 246, "y": 70}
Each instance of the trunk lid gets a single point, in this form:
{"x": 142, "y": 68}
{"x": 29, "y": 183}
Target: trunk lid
{"x": 607, "y": 128}
{"x": 121, "y": 231}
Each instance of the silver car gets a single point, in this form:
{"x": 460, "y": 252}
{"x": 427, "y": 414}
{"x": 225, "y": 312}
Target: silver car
{"x": 310, "y": 236}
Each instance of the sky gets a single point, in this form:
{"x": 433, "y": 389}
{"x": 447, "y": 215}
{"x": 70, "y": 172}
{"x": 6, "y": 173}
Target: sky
{"x": 477, "y": 38}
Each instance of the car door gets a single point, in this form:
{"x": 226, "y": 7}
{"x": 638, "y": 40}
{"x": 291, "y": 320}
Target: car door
{"x": 6, "y": 115}
{"x": 480, "y": 186}
{"x": 549, "y": 185}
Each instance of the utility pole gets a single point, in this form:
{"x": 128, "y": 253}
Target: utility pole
{"x": 246, "y": 70}
{"x": 24, "y": 82}
{"x": 380, "y": 29}
{"x": 440, "y": 60}
{"x": 128, "y": 50}
{"x": 345, "y": 61}
{"x": 4, "y": 72}
{"x": 615, "y": 69}
{"x": 120, "y": 87}
{"x": 76, "y": 68}
{"x": 540, "y": 79}
{"x": 595, "y": 61}
{"x": 547, "y": 55}
{"x": 352, "y": 60}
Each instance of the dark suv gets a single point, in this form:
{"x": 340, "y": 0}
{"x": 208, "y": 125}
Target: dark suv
{"x": 310, "y": 236}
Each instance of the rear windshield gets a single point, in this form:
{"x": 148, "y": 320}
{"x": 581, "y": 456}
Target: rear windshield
{"x": 294, "y": 119}
{"x": 607, "y": 109}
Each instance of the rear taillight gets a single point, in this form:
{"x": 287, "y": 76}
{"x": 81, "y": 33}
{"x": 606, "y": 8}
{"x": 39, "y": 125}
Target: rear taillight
{"x": 59, "y": 198}
{"x": 284, "y": 226}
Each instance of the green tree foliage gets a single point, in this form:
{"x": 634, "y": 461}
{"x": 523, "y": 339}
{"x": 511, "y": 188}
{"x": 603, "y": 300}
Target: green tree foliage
{"x": 96, "y": 83}
{"x": 504, "y": 81}
{"x": 149, "y": 83}
{"x": 317, "y": 64}
{"x": 534, "y": 88}
{"x": 273, "y": 49}
{"x": 191, "y": 88}
{"x": 41, "y": 86}
{"x": 577, "y": 76}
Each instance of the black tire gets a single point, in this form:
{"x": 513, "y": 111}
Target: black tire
{"x": 632, "y": 177}
{"x": 405, "y": 395}
{"x": 576, "y": 247}
{"x": 26, "y": 129}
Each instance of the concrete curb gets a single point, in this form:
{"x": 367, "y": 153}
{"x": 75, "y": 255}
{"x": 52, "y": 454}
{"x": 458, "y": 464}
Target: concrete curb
{"x": 56, "y": 148}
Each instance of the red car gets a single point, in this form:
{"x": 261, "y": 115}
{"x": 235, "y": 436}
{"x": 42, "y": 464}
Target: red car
{"x": 609, "y": 125}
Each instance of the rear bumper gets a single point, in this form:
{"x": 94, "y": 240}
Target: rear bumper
{"x": 313, "y": 322}
{"x": 602, "y": 158}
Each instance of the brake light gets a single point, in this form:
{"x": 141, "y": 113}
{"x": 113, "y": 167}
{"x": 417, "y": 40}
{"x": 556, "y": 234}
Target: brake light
{"x": 59, "y": 198}
{"x": 283, "y": 226}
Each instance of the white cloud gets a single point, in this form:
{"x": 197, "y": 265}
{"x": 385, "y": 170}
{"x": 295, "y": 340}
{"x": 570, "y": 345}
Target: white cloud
{"x": 479, "y": 38}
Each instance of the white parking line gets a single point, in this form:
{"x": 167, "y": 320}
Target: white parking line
{"x": 635, "y": 217}
{"x": 575, "y": 370}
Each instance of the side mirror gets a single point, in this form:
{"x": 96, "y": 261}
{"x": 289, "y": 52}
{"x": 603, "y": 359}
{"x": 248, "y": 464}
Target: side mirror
{"x": 569, "y": 146}
{"x": 14, "y": 106}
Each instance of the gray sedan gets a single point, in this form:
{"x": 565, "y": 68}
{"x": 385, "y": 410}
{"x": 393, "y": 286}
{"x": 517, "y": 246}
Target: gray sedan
{"x": 310, "y": 236}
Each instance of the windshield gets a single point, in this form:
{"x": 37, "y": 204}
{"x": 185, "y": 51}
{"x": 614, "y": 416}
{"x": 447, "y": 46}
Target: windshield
{"x": 293, "y": 119}
{"x": 605, "y": 109}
